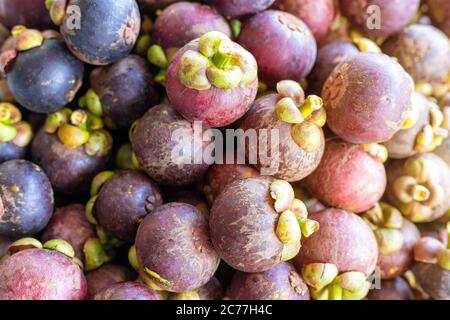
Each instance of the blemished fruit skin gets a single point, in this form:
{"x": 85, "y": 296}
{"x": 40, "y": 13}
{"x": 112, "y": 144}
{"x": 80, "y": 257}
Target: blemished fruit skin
{"x": 347, "y": 177}
{"x": 281, "y": 282}
{"x": 183, "y": 22}
{"x": 212, "y": 290}
{"x": 106, "y": 31}
{"x": 127, "y": 291}
{"x": 246, "y": 205}
{"x": 395, "y": 289}
{"x": 396, "y": 264}
{"x": 238, "y": 8}
{"x": 70, "y": 170}
{"x": 214, "y": 107}
{"x": 26, "y": 199}
{"x": 106, "y": 276}
{"x": 422, "y": 50}
{"x": 285, "y": 50}
{"x": 439, "y": 11}
{"x": 402, "y": 144}
{"x": 70, "y": 224}
{"x": 317, "y": 14}
{"x": 174, "y": 242}
{"x": 153, "y": 142}
{"x": 30, "y": 13}
{"x": 379, "y": 17}
{"x": 328, "y": 57}
{"x": 11, "y": 151}
{"x": 41, "y": 274}
{"x": 123, "y": 202}
{"x": 343, "y": 239}
{"x": 45, "y": 78}
{"x": 367, "y": 98}
{"x": 126, "y": 90}
{"x": 434, "y": 280}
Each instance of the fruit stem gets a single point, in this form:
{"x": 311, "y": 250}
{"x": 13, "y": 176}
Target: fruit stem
{"x": 222, "y": 58}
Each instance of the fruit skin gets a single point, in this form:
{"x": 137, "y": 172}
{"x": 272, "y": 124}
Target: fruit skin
{"x": 151, "y": 5}
{"x": 69, "y": 223}
{"x": 220, "y": 175}
{"x": 444, "y": 151}
{"x": 246, "y": 205}
{"x": 434, "y": 280}
{"x": 318, "y": 15}
{"x": 45, "y": 78}
{"x": 214, "y": 107}
{"x": 359, "y": 113}
{"x": 396, "y": 264}
{"x": 30, "y": 13}
{"x": 294, "y": 163}
{"x": 126, "y": 90}
{"x": 123, "y": 202}
{"x": 394, "y": 15}
{"x": 422, "y": 50}
{"x": 439, "y": 176}
{"x": 41, "y": 274}
{"x": 343, "y": 239}
{"x": 174, "y": 242}
{"x": 11, "y": 151}
{"x": 347, "y": 177}
{"x": 402, "y": 144}
{"x": 69, "y": 169}
{"x": 237, "y": 8}
{"x": 91, "y": 42}
{"x": 152, "y": 142}
{"x": 439, "y": 11}
{"x": 328, "y": 57}
{"x": 212, "y": 290}
{"x": 183, "y": 22}
{"x": 26, "y": 198}
{"x": 282, "y": 44}
{"x": 395, "y": 289}
{"x": 106, "y": 276}
{"x": 281, "y": 282}
{"x": 127, "y": 291}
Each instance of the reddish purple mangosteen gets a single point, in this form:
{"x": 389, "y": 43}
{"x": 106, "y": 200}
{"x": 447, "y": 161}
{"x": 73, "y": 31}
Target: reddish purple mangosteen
{"x": 213, "y": 80}
{"x": 395, "y": 289}
{"x": 26, "y": 198}
{"x": 174, "y": 250}
{"x": 152, "y": 5}
{"x": 30, "y": 13}
{"x": 238, "y": 8}
{"x": 317, "y": 14}
{"x": 98, "y": 32}
{"x": 439, "y": 11}
{"x": 183, "y": 22}
{"x": 282, "y": 44}
{"x": 122, "y": 92}
{"x": 41, "y": 272}
{"x": 379, "y": 17}
{"x": 281, "y": 282}
{"x": 70, "y": 224}
{"x": 212, "y": 290}
{"x": 127, "y": 291}
{"x": 105, "y": 276}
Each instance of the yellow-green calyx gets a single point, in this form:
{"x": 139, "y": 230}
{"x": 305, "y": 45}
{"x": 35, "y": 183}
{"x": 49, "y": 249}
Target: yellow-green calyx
{"x": 160, "y": 58}
{"x": 143, "y": 42}
{"x": 132, "y": 258}
{"x": 326, "y": 284}
{"x": 386, "y": 222}
{"x": 190, "y": 295}
{"x": 125, "y": 158}
{"x": 377, "y": 151}
{"x": 364, "y": 44}
{"x": 94, "y": 254}
{"x": 417, "y": 191}
{"x": 12, "y": 128}
{"x": 99, "y": 180}
{"x": 155, "y": 278}
{"x": 61, "y": 246}
{"x": 431, "y": 250}
{"x": 80, "y": 128}
{"x": 57, "y": 9}
{"x": 26, "y": 39}
{"x": 218, "y": 62}
{"x": 24, "y": 244}
{"x": 293, "y": 221}
{"x": 433, "y": 134}
{"x": 307, "y": 116}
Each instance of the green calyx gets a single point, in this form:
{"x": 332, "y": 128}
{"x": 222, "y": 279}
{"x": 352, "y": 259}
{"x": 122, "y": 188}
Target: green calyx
{"x": 26, "y": 39}
{"x": 143, "y": 43}
{"x": 218, "y": 62}
{"x": 125, "y": 158}
{"x": 326, "y": 284}
{"x": 24, "y": 244}
{"x": 99, "y": 180}
{"x": 61, "y": 246}
{"x": 160, "y": 58}
{"x": 190, "y": 295}
{"x": 80, "y": 128}
{"x": 57, "y": 10}
{"x": 89, "y": 210}
{"x": 155, "y": 277}
{"x": 132, "y": 258}
{"x": 236, "y": 27}
{"x": 386, "y": 222}
{"x": 12, "y": 129}
{"x": 364, "y": 44}
{"x": 95, "y": 255}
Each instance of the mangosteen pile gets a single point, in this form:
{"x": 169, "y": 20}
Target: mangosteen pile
{"x": 224, "y": 150}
